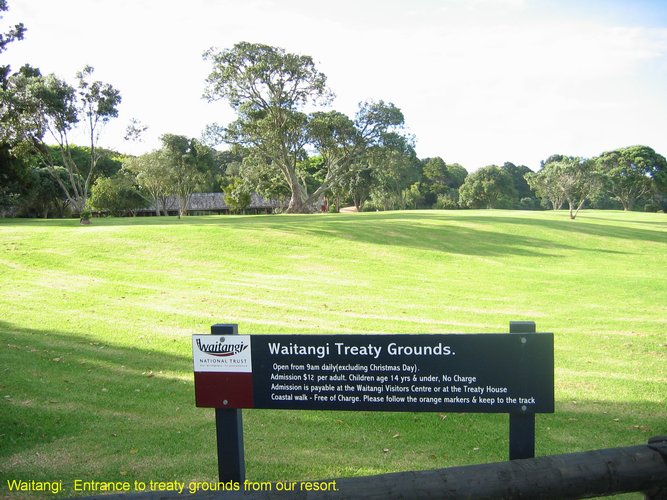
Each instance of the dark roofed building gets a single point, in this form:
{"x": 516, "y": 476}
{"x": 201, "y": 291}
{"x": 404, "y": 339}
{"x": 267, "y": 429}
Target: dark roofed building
{"x": 214, "y": 203}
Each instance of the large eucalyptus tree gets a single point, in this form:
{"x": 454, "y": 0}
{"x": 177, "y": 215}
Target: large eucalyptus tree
{"x": 270, "y": 90}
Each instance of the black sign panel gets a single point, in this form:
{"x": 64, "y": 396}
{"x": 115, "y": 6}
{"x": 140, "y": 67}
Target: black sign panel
{"x": 480, "y": 373}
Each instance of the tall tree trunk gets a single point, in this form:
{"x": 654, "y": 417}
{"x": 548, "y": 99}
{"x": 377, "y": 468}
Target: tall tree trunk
{"x": 574, "y": 212}
{"x": 297, "y": 202}
{"x": 163, "y": 202}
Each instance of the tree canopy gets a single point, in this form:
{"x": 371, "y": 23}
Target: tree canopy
{"x": 14, "y": 33}
{"x": 269, "y": 89}
{"x": 486, "y": 187}
{"x": 187, "y": 161}
{"x": 632, "y": 173}
{"x": 117, "y": 195}
{"x": 566, "y": 178}
{"x": 153, "y": 176}
{"x": 38, "y": 109}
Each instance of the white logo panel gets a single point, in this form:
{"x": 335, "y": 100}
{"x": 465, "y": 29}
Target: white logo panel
{"x": 222, "y": 353}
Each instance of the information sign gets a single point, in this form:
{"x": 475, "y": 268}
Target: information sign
{"x": 480, "y": 373}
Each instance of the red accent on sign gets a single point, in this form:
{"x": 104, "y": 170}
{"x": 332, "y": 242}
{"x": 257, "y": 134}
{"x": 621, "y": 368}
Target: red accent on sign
{"x": 212, "y": 389}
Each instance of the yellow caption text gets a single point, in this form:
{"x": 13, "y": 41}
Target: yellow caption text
{"x": 18, "y": 486}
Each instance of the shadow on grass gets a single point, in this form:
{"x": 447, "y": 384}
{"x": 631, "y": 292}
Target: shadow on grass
{"x": 66, "y": 391}
{"x": 322, "y": 445}
{"x": 446, "y": 237}
{"x": 584, "y": 226}
{"x": 451, "y": 232}
{"x": 406, "y": 229}
{"x": 445, "y": 231}
{"x": 661, "y": 219}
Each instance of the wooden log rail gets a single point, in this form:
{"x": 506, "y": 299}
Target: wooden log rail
{"x": 574, "y": 475}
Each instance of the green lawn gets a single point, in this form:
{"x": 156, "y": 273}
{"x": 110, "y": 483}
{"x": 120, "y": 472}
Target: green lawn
{"x": 95, "y": 325}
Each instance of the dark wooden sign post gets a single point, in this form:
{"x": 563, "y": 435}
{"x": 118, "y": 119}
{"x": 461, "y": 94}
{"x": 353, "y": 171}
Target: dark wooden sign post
{"x": 229, "y": 430}
{"x": 522, "y": 425}
{"x": 475, "y": 373}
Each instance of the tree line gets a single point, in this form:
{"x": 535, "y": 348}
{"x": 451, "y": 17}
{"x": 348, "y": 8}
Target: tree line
{"x": 274, "y": 148}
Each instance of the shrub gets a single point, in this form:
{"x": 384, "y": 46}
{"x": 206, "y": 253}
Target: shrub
{"x": 372, "y": 206}
{"x": 117, "y": 195}
{"x": 446, "y": 202}
{"x": 527, "y": 204}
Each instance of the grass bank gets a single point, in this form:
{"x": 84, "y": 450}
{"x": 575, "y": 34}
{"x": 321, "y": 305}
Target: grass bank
{"x": 95, "y": 325}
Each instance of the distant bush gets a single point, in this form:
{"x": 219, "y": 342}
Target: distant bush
{"x": 372, "y": 206}
{"x": 651, "y": 207}
{"x": 527, "y": 204}
{"x": 448, "y": 201}
{"x": 117, "y": 195}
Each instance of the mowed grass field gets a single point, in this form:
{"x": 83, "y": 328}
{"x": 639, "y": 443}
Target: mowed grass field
{"x": 95, "y": 326}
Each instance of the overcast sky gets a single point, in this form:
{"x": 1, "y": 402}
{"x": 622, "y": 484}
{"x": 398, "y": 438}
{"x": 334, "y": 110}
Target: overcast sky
{"x": 479, "y": 81}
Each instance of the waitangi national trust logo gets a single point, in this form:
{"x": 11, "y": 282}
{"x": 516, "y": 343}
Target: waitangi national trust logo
{"x": 222, "y": 353}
